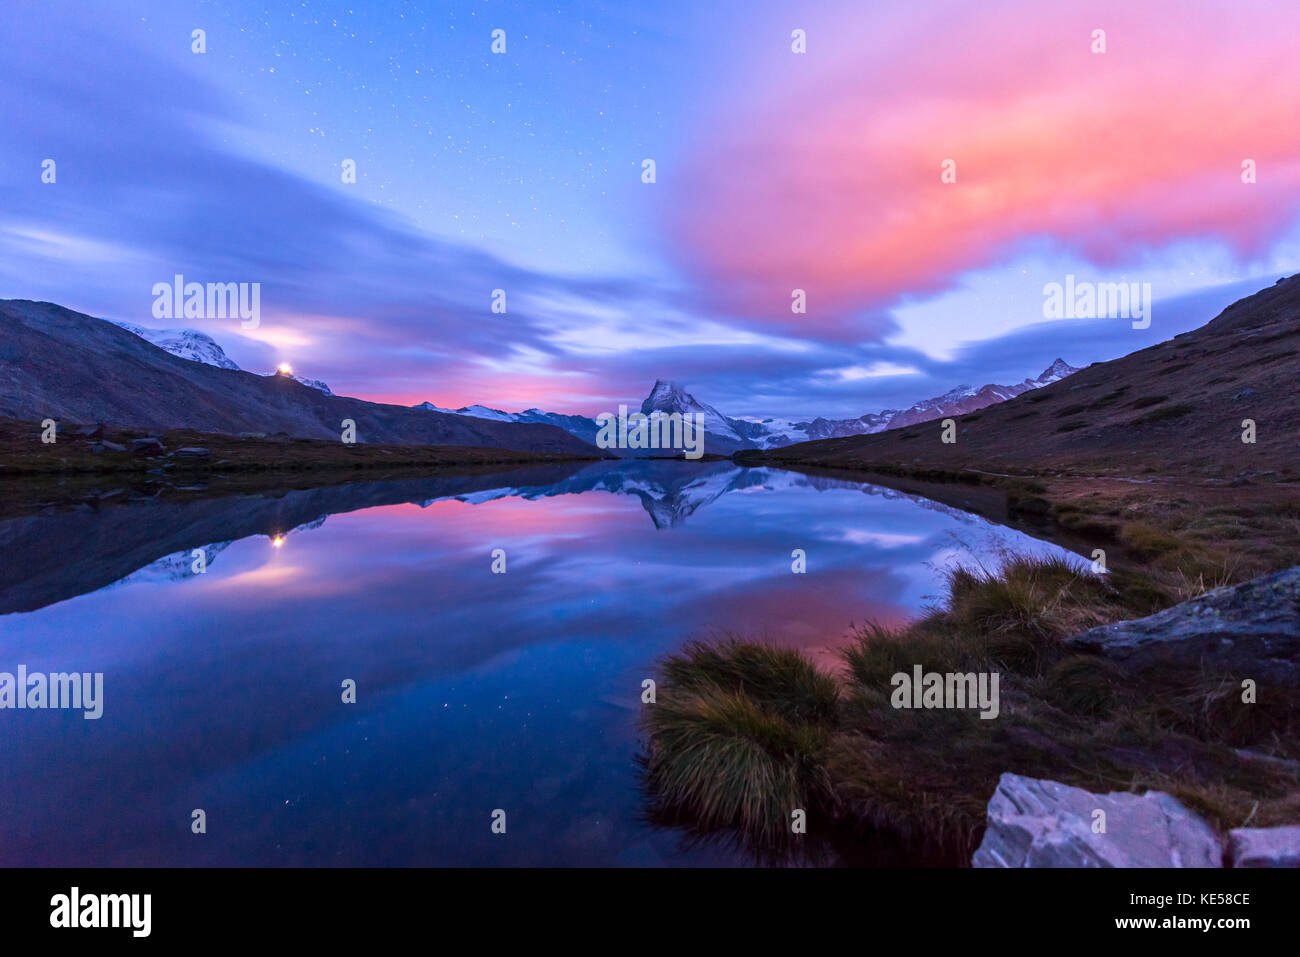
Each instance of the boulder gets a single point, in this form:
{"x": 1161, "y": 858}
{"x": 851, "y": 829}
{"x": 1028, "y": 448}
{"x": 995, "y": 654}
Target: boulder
{"x": 112, "y": 446}
{"x": 1252, "y": 628}
{"x": 147, "y": 446}
{"x": 1035, "y": 823}
{"x": 192, "y": 452}
{"x": 1264, "y": 846}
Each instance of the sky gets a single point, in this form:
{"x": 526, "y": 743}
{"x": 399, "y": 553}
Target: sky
{"x": 774, "y": 171}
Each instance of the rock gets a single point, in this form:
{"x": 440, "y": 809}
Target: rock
{"x": 252, "y": 435}
{"x": 1264, "y": 846}
{"x": 193, "y": 452}
{"x": 1034, "y": 823}
{"x": 112, "y": 446}
{"x": 91, "y": 431}
{"x": 1252, "y": 628}
{"x": 148, "y": 446}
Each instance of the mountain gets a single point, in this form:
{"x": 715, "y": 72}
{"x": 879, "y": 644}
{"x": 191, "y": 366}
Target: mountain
{"x": 186, "y": 343}
{"x": 578, "y": 426}
{"x": 60, "y": 364}
{"x": 775, "y": 433}
{"x": 1181, "y": 408}
{"x": 725, "y": 435}
{"x": 722, "y": 435}
{"x": 964, "y": 400}
{"x": 309, "y": 383}
{"x": 200, "y": 347}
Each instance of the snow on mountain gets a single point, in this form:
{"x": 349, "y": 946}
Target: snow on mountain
{"x": 310, "y": 383}
{"x": 724, "y": 435}
{"x": 775, "y": 433}
{"x": 965, "y": 399}
{"x": 185, "y": 343}
{"x": 178, "y": 566}
{"x": 721, "y": 434}
{"x": 576, "y": 425}
{"x": 1056, "y": 371}
{"x": 200, "y": 347}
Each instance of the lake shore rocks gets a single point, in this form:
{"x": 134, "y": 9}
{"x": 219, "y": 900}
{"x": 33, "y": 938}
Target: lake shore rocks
{"x": 1264, "y": 846}
{"x": 1037, "y": 823}
{"x": 1252, "y": 628}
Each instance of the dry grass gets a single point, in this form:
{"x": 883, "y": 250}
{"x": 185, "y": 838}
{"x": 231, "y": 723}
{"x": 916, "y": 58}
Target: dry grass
{"x": 735, "y": 748}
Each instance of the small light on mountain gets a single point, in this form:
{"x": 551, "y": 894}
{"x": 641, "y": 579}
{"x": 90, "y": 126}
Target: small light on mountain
{"x": 277, "y": 541}
{"x": 285, "y": 369}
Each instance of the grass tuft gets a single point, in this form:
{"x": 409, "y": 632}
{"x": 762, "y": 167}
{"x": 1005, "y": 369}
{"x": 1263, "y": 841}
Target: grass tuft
{"x": 738, "y": 739}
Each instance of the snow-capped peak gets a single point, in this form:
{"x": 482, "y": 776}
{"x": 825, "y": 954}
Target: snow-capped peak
{"x": 316, "y": 384}
{"x": 667, "y": 396}
{"x": 200, "y": 347}
{"x": 184, "y": 343}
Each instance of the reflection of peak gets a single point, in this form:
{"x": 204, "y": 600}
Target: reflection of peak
{"x": 175, "y": 567}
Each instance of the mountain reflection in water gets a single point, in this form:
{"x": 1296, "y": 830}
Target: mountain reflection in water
{"x": 475, "y": 690}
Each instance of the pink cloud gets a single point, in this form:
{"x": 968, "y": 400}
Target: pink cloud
{"x": 826, "y": 177}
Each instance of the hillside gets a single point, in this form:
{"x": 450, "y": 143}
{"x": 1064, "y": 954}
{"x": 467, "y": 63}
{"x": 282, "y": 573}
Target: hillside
{"x": 1173, "y": 410}
{"x": 73, "y": 368}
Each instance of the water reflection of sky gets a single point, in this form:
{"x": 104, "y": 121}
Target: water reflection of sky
{"x": 475, "y": 691}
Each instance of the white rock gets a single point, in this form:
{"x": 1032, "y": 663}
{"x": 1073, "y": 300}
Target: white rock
{"x": 1265, "y": 846}
{"x": 1035, "y": 823}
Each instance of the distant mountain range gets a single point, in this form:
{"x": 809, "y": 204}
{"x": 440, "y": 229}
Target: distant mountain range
{"x": 60, "y": 364}
{"x": 726, "y": 434}
{"x": 1217, "y": 403}
{"x": 208, "y": 391}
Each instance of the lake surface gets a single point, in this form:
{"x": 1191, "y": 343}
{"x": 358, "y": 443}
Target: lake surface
{"x": 475, "y": 691}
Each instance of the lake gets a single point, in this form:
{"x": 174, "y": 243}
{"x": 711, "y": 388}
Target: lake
{"x": 476, "y": 690}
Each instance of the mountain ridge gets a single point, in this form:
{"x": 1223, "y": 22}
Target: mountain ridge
{"x": 1217, "y": 402}
{"x": 727, "y": 434}
{"x": 60, "y": 364}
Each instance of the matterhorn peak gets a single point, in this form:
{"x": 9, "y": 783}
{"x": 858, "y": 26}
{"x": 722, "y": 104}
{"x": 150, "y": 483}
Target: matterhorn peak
{"x": 668, "y": 396}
